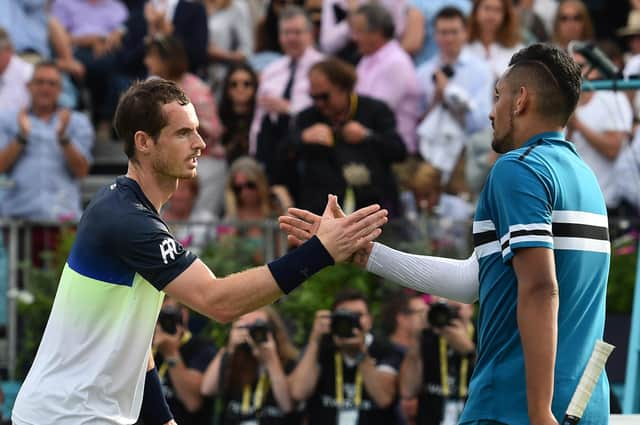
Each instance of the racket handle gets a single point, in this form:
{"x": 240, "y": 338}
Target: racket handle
{"x": 570, "y": 420}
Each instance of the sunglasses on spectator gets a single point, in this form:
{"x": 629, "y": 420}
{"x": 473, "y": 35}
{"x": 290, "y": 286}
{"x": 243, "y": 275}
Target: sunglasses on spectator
{"x": 566, "y": 18}
{"x": 244, "y": 83}
{"x": 237, "y": 188}
{"x": 319, "y": 97}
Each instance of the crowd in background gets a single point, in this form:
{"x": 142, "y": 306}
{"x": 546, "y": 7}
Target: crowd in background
{"x": 381, "y": 101}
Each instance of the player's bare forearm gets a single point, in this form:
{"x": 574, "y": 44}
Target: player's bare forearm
{"x": 537, "y": 321}
{"x": 227, "y": 298}
{"x": 537, "y": 314}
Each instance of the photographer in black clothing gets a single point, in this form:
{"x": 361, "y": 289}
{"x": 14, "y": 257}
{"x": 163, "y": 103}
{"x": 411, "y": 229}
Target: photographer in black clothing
{"x": 248, "y": 375}
{"x": 439, "y": 363}
{"x": 181, "y": 360}
{"x": 345, "y": 375}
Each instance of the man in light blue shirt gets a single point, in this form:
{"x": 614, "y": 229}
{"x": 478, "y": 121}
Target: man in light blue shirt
{"x": 457, "y": 94}
{"x": 429, "y": 9}
{"x": 44, "y": 150}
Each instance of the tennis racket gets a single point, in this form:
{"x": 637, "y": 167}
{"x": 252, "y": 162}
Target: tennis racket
{"x": 587, "y": 382}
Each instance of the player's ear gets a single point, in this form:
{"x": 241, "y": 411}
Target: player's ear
{"x": 142, "y": 141}
{"x": 522, "y": 100}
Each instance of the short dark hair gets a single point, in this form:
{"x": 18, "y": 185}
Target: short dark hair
{"x": 553, "y": 74}
{"x": 378, "y": 19}
{"x": 398, "y": 303}
{"x": 349, "y": 294}
{"x": 171, "y": 52}
{"x": 450, "y": 12}
{"x": 339, "y": 73}
{"x": 140, "y": 109}
{"x": 46, "y": 63}
{"x": 293, "y": 11}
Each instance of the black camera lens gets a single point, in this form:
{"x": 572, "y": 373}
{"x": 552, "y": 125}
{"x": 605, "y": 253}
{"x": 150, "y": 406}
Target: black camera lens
{"x": 343, "y": 322}
{"x": 441, "y": 315}
{"x": 259, "y": 331}
{"x": 169, "y": 319}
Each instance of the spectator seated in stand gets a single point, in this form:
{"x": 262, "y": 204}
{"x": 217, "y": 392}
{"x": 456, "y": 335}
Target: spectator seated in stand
{"x": 184, "y": 19}
{"x": 249, "y": 198}
{"x": 458, "y": 90}
{"x": 249, "y": 373}
{"x": 283, "y": 92}
{"x": 336, "y": 35}
{"x": 45, "y": 150}
{"x": 15, "y": 73}
{"x": 494, "y": 33}
{"x": 344, "y": 144}
{"x": 237, "y": 109}
{"x": 96, "y": 29}
{"x": 231, "y": 37}
{"x": 386, "y": 72}
{"x": 599, "y": 128}
{"x": 180, "y": 209}
{"x": 36, "y": 36}
{"x": 571, "y": 23}
{"x": 451, "y": 213}
{"x": 268, "y": 46}
{"x": 429, "y": 10}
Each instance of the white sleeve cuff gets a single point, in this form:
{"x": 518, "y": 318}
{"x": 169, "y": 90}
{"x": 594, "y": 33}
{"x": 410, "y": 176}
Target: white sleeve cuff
{"x": 453, "y": 279}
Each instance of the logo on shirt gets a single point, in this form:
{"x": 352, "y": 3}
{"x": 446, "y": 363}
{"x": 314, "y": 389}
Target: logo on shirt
{"x": 168, "y": 249}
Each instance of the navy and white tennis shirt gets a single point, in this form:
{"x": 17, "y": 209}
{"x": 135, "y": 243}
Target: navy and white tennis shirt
{"x": 91, "y": 363}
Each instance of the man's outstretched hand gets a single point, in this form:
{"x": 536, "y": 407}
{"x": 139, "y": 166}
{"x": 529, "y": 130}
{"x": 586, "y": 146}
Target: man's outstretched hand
{"x": 351, "y": 234}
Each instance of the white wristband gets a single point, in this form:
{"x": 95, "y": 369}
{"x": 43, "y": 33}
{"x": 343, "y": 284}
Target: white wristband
{"x": 453, "y": 279}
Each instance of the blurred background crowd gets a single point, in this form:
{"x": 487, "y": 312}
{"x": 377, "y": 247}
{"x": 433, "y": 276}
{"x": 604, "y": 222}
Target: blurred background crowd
{"x": 377, "y": 101}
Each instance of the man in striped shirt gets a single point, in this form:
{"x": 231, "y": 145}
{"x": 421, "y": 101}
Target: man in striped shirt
{"x": 541, "y": 255}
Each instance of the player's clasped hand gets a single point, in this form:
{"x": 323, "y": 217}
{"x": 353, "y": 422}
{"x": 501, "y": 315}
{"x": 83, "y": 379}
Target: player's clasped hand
{"x": 345, "y": 235}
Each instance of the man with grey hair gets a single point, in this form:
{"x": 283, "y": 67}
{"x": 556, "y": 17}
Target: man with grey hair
{"x": 15, "y": 73}
{"x": 386, "y": 72}
{"x": 284, "y": 87}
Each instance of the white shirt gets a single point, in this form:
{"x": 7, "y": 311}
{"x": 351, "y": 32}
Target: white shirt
{"x": 273, "y": 81}
{"x": 13, "y": 84}
{"x": 497, "y": 56}
{"x": 606, "y": 111}
{"x": 627, "y": 171}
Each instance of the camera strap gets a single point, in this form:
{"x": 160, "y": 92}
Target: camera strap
{"x": 357, "y": 398}
{"x": 444, "y": 368}
{"x": 162, "y": 371}
{"x": 262, "y": 387}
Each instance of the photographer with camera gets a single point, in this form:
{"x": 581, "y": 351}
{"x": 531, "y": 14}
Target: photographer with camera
{"x": 457, "y": 94}
{"x": 439, "y": 363}
{"x": 345, "y": 375}
{"x": 249, "y": 374}
{"x": 181, "y": 359}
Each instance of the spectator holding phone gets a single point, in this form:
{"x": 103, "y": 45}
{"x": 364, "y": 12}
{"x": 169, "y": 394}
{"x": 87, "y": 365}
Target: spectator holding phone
{"x": 345, "y": 375}
{"x": 248, "y": 375}
{"x": 181, "y": 359}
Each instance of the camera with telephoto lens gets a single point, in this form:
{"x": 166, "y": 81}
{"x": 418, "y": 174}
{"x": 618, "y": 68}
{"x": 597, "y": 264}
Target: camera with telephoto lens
{"x": 169, "y": 319}
{"x": 441, "y": 314}
{"x": 343, "y": 322}
{"x": 447, "y": 70}
{"x": 259, "y": 331}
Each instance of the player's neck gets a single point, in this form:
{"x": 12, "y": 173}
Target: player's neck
{"x": 157, "y": 190}
{"x": 532, "y": 128}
